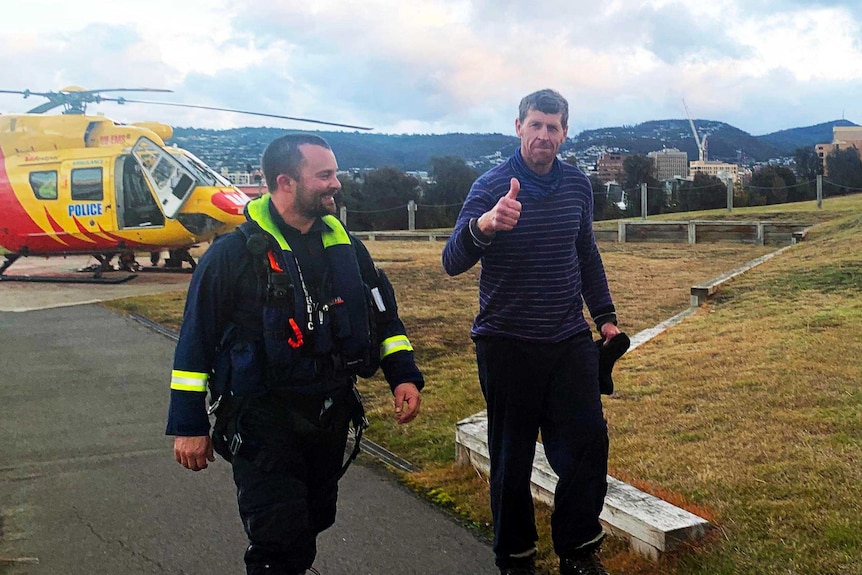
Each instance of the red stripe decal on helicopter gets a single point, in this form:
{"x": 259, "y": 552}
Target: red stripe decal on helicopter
{"x": 130, "y": 244}
{"x": 57, "y": 228}
{"x": 88, "y": 236}
{"x": 18, "y": 224}
{"x": 231, "y": 202}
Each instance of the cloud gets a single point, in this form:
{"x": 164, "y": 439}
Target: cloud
{"x": 451, "y": 65}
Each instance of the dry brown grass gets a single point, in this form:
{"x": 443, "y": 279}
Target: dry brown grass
{"x": 747, "y": 413}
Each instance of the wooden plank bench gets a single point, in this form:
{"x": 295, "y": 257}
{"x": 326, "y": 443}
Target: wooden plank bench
{"x": 404, "y": 236}
{"x": 702, "y": 231}
{"x": 651, "y": 525}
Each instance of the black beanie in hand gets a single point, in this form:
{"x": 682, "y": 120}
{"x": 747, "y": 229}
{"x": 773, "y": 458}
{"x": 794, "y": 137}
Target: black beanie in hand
{"x": 608, "y": 355}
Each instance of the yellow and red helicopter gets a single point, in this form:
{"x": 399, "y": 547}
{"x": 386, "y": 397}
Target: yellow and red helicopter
{"x": 75, "y": 184}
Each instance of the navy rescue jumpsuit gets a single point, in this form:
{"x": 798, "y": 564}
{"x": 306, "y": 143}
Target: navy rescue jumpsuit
{"x": 288, "y": 497}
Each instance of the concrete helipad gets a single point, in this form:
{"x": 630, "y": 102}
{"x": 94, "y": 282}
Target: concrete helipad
{"x": 18, "y": 296}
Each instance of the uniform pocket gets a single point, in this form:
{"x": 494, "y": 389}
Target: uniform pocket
{"x": 246, "y": 372}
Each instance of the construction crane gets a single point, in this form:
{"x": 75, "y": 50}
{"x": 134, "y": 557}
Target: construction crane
{"x": 701, "y": 144}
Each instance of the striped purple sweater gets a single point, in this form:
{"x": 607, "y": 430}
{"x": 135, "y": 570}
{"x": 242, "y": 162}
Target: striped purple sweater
{"x": 536, "y": 277}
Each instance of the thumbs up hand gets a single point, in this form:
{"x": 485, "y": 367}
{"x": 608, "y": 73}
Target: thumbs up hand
{"x": 505, "y": 214}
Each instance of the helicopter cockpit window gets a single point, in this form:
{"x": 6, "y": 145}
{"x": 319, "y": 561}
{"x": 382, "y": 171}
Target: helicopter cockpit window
{"x": 44, "y": 185}
{"x": 87, "y": 184}
{"x": 170, "y": 179}
{"x": 201, "y": 171}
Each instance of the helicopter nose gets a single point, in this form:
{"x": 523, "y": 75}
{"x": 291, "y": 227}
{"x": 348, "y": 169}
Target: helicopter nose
{"x": 231, "y": 202}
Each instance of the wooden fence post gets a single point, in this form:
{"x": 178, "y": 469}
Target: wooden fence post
{"x": 729, "y": 194}
{"x": 411, "y": 215}
{"x": 819, "y": 191}
{"x": 643, "y": 201}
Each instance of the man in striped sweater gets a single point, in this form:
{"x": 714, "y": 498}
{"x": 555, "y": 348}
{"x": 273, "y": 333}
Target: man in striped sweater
{"x": 529, "y": 221}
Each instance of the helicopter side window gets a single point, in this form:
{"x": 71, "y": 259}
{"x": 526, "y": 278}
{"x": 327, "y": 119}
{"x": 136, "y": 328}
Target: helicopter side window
{"x": 87, "y": 184}
{"x": 44, "y": 185}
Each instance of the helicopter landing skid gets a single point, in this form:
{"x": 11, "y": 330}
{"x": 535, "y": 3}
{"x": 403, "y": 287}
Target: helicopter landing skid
{"x": 165, "y": 270}
{"x": 96, "y": 278}
{"x": 66, "y": 279}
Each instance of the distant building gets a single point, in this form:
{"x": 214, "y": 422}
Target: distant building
{"x": 843, "y": 137}
{"x": 670, "y": 163}
{"x": 420, "y": 175}
{"x": 720, "y": 170}
{"x": 609, "y": 168}
{"x": 250, "y": 183}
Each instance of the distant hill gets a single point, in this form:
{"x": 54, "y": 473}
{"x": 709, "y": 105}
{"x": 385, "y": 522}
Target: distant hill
{"x": 724, "y": 142}
{"x": 238, "y": 148}
{"x": 807, "y": 137}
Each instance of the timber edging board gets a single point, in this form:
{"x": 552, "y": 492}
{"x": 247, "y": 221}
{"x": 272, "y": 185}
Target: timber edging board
{"x": 651, "y": 525}
{"x": 693, "y": 231}
{"x": 704, "y": 231}
{"x": 702, "y": 292}
{"x": 404, "y": 235}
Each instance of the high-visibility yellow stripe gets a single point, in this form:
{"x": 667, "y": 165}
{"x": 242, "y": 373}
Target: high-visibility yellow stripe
{"x": 258, "y": 209}
{"x": 336, "y": 235}
{"x": 189, "y": 381}
{"x": 394, "y": 344}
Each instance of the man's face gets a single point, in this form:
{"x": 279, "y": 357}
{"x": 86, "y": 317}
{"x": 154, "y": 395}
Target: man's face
{"x": 317, "y": 183}
{"x": 541, "y": 137}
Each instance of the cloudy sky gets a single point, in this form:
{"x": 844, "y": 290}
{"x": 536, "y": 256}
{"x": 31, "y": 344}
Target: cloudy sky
{"x": 437, "y": 66}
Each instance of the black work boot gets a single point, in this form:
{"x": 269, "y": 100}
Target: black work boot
{"x": 519, "y": 566}
{"x": 584, "y": 562}
{"x": 528, "y": 570}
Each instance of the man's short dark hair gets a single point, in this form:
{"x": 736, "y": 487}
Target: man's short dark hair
{"x": 547, "y": 102}
{"x": 283, "y": 156}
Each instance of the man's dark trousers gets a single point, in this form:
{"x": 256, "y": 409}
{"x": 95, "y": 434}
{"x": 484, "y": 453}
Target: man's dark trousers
{"x": 552, "y": 387}
{"x": 288, "y": 497}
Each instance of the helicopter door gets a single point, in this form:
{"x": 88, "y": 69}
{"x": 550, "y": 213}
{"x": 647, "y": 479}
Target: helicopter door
{"x": 88, "y": 204}
{"x": 172, "y": 183}
{"x": 136, "y": 206}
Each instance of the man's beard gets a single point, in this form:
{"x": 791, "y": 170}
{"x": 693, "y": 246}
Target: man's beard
{"x": 311, "y": 205}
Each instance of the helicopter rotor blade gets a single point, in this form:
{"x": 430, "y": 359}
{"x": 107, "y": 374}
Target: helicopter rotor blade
{"x": 27, "y": 93}
{"x": 73, "y": 96}
{"x": 122, "y": 100}
{"x": 82, "y": 92}
{"x": 41, "y": 109}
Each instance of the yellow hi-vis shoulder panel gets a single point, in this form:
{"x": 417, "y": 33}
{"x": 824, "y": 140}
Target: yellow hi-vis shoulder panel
{"x": 259, "y": 211}
{"x": 336, "y": 235}
{"x": 189, "y": 381}
{"x": 394, "y": 344}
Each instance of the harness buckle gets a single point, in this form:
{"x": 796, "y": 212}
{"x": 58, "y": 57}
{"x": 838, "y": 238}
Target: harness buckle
{"x": 235, "y": 444}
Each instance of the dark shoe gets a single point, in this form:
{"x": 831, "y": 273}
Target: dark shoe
{"x": 586, "y": 563}
{"x": 518, "y": 566}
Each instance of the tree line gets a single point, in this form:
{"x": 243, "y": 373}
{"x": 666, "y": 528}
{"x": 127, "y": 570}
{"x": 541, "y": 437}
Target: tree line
{"x": 378, "y": 199}
{"x": 768, "y": 185}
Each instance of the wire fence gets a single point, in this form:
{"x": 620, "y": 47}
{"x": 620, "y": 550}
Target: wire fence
{"x": 615, "y": 203}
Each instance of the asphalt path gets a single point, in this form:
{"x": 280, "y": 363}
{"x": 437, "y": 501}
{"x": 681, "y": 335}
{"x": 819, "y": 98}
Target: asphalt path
{"x": 88, "y": 484}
